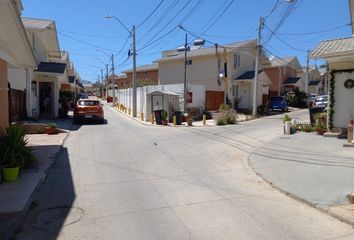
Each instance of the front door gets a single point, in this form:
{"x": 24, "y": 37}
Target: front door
{"x": 245, "y": 94}
{"x": 46, "y": 99}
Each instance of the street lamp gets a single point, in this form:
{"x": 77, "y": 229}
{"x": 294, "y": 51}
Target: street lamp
{"x": 132, "y": 33}
{"x": 111, "y": 58}
{"x": 258, "y": 52}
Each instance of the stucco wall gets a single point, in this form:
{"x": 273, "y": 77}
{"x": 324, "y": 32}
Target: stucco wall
{"x": 4, "y": 103}
{"x": 17, "y": 78}
{"x": 151, "y": 76}
{"x": 344, "y": 100}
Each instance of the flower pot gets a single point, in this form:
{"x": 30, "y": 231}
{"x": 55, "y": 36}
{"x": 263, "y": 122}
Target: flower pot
{"x": 320, "y": 131}
{"x": 190, "y": 123}
{"x": 9, "y": 174}
{"x": 164, "y": 122}
{"x": 50, "y": 131}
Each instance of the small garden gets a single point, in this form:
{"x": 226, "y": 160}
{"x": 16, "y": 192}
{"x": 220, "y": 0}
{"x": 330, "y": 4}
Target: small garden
{"x": 226, "y": 115}
{"x": 291, "y": 126}
{"x": 15, "y": 153}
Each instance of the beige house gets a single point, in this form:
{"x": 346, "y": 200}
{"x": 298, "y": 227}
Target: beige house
{"x": 16, "y": 58}
{"x": 217, "y": 68}
{"x": 314, "y": 79}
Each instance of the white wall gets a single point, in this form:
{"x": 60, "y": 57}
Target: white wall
{"x": 344, "y": 100}
{"x": 17, "y": 78}
{"x": 125, "y": 96}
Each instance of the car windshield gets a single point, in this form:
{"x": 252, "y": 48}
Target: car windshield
{"x": 321, "y": 99}
{"x": 89, "y": 103}
{"x": 276, "y": 99}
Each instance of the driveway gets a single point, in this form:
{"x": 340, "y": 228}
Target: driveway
{"x": 123, "y": 180}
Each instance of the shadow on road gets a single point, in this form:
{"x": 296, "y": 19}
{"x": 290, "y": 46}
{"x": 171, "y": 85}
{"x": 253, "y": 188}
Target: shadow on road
{"x": 50, "y": 210}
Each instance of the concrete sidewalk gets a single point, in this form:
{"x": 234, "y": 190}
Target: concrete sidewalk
{"x": 16, "y": 197}
{"x": 310, "y": 168}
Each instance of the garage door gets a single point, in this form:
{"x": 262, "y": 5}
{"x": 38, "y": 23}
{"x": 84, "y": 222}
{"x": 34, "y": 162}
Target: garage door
{"x": 213, "y": 99}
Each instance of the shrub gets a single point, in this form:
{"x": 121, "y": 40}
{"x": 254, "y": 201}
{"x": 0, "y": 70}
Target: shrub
{"x": 226, "y": 117}
{"x": 287, "y": 118}
{"x": 224, "y": 107}
{"x": 14, "y": 149}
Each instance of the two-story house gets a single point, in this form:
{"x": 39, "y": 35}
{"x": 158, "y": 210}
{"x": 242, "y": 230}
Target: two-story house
{"x": 49, "y": 74}
{"x": 283, "y": 73}
{"x": 217, "y": 68}
{"x": 314, "y": 79}
{"x": 16, "y": 62}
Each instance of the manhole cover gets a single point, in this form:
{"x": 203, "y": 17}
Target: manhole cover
{"x": 58, "y": 216}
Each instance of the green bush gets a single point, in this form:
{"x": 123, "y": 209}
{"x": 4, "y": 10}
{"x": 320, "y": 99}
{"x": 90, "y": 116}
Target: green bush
{"x": 286, "y": 118}
{"x": 224, "y": 107}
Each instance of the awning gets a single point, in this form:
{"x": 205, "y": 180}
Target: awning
{"x": 291, "y": 81}
{"x": 51, "y": 67}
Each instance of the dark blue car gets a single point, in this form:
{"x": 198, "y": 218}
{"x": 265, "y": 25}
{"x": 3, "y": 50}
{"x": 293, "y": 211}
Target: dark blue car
{"x": 279, "y": 103}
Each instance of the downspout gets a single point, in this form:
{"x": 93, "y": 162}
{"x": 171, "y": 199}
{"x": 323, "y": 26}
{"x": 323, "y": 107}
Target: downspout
{"x": 280, "y": 75}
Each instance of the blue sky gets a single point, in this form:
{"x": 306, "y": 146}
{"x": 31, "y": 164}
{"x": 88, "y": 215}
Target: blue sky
{"x": 82, "y": 28}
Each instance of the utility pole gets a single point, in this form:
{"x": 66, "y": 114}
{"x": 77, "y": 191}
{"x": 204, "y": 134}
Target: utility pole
{"x": 185, "y": 76}
{"x": 255, "y": 82}
{"x": 114, "y": 82}
{"x": 134, "y": 72}
{"x": 307, "y": 72}
{"x": 107, "y": 80}
{"x": 102, "y": 88}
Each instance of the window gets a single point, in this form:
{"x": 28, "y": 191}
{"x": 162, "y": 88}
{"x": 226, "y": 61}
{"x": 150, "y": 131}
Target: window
{"x": 237, "y": 61}
{"x": 234, "y": 90}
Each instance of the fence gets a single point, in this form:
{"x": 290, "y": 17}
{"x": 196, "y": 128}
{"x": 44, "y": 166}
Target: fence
{"x": 196, "y": 95}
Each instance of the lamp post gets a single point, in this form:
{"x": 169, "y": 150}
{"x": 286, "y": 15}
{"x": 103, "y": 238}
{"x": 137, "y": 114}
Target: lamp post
{"x": 258, "y": 52}
{"x": 132, "y": 33}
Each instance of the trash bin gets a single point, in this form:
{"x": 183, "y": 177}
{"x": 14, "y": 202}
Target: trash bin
{"x": 157, "y": 114}
{"x": 313, "y": 111}
{"x": 178, "y": 115}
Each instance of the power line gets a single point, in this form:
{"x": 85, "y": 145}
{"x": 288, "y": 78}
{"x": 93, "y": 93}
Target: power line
{"x": 123, "y": 46}
{"x": 149, "y": 16}
{"x": 89, "y": 35}
{"x": 280, "y": 39}
{"x": 173, "y": 18}
{"x": 317, "y": 32}
{"x": 217, "y": 19}
{"x": 273, "y": 9}
{"x": 158, "y": 39}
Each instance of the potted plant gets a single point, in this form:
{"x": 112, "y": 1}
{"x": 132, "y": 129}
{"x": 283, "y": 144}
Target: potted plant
{"x": 51, "y": 128}
{"x": 14, "y": 150}
{"x": 190, "y": 121}
{"x": 164, "y": 117}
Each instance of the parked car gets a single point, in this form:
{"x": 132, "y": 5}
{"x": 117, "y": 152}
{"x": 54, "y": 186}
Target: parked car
{"x": 320, "y": 101}
{"x": 88, "y": 109}
{"x": 310, "y": 98}
{"x": 278, "y": 102}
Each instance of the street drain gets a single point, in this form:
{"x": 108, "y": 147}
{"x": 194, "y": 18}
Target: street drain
{"x": 57, "y": 217}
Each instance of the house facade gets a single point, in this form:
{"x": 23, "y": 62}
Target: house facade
{"x": 16, "y": 63}
{"x": 50, "y": 73}
{"x": 145, "y": 75}
{"x": 283, "y": 73}
{"x": 217, "y": 68}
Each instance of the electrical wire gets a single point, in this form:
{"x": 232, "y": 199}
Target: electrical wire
{"x": 217, "y": 19}
{"x": 317, "y": 32}
{"x": 123, "y": 46}
{"x": 89, "y": 35}
{"x": 168, "y": 22}
{"x": 273, "y": 9}
{"x": 150, "y": 15}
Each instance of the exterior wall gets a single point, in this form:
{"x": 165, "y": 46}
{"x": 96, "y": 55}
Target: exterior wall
{"x": 152, "y": 77}
{"x": 273, "y": 74}
{"x": 37, "y": 45}
{"x": 17, "y": 78}
{"x": 4, "y": 101}
{"x": 344, "y": 100}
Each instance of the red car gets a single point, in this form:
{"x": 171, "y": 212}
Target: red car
{"x": 88, "y": 109}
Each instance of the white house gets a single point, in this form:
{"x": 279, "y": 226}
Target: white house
{"x": 16, "y": 58}
{"x": 49, "y": 75}
{"x": 217, "y": 68}
{"x": 339, "y": 54}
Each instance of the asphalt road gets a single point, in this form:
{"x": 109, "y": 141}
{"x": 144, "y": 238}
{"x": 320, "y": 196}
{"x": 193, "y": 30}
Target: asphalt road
{"x": 124, "y": 180}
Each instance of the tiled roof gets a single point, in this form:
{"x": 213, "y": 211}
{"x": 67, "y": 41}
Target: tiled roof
{"x": 314, "y": 83}
{"x": 333, "y": 47}
{"x": 207, "y": 51}
{"x": 143, "y": 68}
{"x": 34, "y": 23}
{"x": 292, "y": 80}
{"x": 277, "y": 62}
{"x": 247, "y": 75}
{"x": 51, "y": 67}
